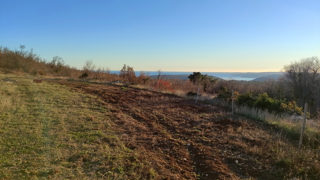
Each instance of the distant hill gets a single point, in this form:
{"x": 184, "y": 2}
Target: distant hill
{"x": 257, "y": 74}
{"x": 265, "y": 78}
{"x": 179, "y": 77}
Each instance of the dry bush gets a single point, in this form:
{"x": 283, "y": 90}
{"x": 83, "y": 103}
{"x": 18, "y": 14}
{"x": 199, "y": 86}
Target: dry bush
{"x": 22, "y": 61}
{"x": 28, "y": 62}
{"x": 240, "y": 86}
{"x": 183, "y": 85}
{"x": 143, "y": 78}
{"x": 102, "y": 74}
{"x": 127, "y": 74}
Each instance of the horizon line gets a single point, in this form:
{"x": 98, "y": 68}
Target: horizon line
{"x": 212, "y": 71}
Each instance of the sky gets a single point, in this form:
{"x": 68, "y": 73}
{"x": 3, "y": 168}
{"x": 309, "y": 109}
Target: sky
{"x": 167, "y": 35}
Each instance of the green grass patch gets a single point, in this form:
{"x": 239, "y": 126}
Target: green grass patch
{"x": 48, "y": 131}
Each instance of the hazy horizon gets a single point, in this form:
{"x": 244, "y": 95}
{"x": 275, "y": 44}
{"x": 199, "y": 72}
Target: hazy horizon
{"x": 200, "y": 71}
{"x": 205, "y": 71}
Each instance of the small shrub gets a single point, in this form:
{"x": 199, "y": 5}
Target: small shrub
{"x": 291, "y": 108}
{"x": 84, "y": 75}
{"x": 224, "y": 93}
{"x": 262, "y": 101}
{"x": 246, "y": 99}
{"x": 191, "y": 93}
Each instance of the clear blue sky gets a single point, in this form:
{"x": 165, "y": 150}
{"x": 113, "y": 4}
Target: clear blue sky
{"x": 171, "y": 35}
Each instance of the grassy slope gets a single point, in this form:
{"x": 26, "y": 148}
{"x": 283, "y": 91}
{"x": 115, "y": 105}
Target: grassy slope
{"x": 47, "y": 131}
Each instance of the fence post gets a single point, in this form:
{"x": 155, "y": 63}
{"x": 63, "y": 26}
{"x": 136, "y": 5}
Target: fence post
{"x": 197, "y": 94}
{"x": 303, "y": 125}
{"x": 232, "y": 104}
{"x": 157, "y": 85}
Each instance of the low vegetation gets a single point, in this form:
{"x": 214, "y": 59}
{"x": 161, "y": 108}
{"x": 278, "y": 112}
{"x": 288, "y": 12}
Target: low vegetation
{"x": 262, "y": 101}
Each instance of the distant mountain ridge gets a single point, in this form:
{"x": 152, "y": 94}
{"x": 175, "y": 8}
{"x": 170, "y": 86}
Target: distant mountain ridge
{"x": 257, "y": 74}
{"x": 265, "y": 78}
{"x": 179, "y": 77}
{"x": 260, "y": 77}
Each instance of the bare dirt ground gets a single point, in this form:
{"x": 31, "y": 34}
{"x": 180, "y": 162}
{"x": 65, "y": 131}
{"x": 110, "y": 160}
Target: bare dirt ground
{"x": 183, "y": 139}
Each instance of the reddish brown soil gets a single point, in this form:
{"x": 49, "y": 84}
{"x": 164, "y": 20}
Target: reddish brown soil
{"x": 183, "y": 139}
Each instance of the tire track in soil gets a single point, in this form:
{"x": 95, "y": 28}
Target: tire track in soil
{"x": 183, "y": 140}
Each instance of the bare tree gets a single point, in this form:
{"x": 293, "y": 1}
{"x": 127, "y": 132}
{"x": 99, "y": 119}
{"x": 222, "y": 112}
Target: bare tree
{"x": 159, "y": 78}
{"x": 88, "y": 66}
{"x": 57, "y": 62}
{"x": 304, "y": 79}
{"x": 127, "y": 74}
{"x": 277, "y": 89}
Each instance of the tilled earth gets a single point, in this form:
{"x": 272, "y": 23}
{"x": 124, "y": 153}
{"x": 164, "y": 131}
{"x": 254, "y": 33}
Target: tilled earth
{"x": 183, "y": 139}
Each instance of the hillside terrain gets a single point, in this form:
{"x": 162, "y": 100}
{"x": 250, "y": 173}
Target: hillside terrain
{"x": 258, "y": 74}
{"x": 265, "y": 78}
{"x": 187, "y": 140}
{"x": 80, "y": 130}
{"x": 179, "y": 77}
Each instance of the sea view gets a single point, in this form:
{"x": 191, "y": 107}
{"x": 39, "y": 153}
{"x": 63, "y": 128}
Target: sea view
{"x": 223, "y": 75}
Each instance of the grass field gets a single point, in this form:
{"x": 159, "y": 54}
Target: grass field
{"x": 62, "y": 129}
{"x": 48, "y": 131}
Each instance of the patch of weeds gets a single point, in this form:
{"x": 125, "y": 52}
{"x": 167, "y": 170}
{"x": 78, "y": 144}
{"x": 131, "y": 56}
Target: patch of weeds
{"x": 120, "y": 170}
{"x": 87, "y": 136}
{"x": 283, "y": 163}
{"x": 152, "y": 173}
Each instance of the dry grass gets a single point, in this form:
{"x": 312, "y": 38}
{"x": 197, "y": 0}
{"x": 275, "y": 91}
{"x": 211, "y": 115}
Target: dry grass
{"x": 262, "y": 148}
{"x": 51, "y": 131}
{"x": 290, "y": 127}
{"x": 47, "y": 131}
{"x": 303, "y": 163}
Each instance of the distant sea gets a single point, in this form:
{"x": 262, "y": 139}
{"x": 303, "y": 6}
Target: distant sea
{"x": 223, "y": 75}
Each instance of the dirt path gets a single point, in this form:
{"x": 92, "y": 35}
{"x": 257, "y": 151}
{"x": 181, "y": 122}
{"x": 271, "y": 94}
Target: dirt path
{"x": 181, "y": 139}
